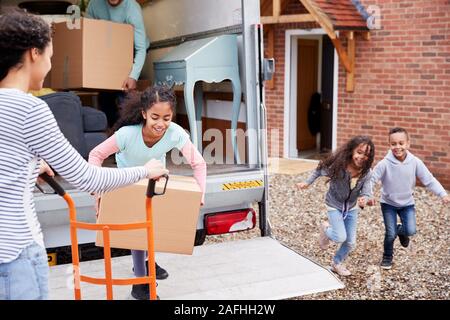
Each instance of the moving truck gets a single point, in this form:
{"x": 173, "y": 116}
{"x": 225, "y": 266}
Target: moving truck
{"x": 237, "y": 180}
{"x": 236, "y": 189}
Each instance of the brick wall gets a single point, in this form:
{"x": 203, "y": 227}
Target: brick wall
{"x": 402, "y": 79}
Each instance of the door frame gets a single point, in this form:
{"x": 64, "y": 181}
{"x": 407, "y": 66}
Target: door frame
{"x": 290, "y": 91}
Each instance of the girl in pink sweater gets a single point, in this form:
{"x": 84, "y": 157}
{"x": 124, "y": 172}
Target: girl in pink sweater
{"x": 145, "y": 131}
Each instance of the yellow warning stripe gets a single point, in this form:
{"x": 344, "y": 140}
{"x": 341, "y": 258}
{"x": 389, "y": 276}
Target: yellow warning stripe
{"x": 242, "y": 185}
{"x": 51, "y": 258}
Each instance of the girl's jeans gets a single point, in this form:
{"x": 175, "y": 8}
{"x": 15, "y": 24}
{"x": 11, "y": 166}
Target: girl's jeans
{"x": 407, "y": 228}
{"x": 25, "y": 278}
{"x": 139, "y": 262}
{"x": 342, "y": 231}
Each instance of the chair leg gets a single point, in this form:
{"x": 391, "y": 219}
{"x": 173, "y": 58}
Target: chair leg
{"x": 190, "y": 109}
{"x": 235, "y": 116}
{"x": 198, "y": 96}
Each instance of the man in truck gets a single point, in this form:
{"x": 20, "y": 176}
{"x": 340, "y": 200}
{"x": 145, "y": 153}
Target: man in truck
{"x": 128, "y": 12}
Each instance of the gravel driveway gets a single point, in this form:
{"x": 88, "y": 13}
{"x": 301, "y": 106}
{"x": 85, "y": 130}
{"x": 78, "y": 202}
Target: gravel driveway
{"x": 420, "y": 273}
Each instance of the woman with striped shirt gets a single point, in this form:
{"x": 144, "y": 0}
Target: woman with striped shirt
{"x": 28, "y": 135}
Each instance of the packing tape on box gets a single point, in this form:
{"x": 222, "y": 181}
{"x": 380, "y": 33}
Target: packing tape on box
{"x": 66, "y": 72}
{"x": 109, "y": 36}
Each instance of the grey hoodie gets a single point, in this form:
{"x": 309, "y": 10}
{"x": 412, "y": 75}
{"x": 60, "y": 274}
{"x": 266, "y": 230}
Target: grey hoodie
{"x": 399, "y": 179}
{"x": 340, "y": 196}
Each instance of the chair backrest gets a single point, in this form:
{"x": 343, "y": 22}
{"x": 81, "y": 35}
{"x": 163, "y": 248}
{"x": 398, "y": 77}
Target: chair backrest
{"x": 66, "y": 107}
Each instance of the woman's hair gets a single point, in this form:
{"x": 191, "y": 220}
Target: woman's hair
{"x": 337, "y": 163}
{"x": 136, "y": 102}
{"x": 19, "y": 32}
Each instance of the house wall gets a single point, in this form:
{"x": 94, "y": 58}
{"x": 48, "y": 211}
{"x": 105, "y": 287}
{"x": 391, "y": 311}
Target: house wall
{"x": 402, "y": 79}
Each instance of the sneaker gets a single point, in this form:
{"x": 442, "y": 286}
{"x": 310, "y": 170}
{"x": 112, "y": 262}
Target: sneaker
{"x": 324, "y": 241}
{"x": 386, "y": 262}
{"x": 340, "y": 269}
{"x": 141, "y": 292}
{"x": 161, "y": 273}
{"x": 404, "y": 240}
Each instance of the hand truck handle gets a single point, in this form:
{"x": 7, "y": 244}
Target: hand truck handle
{"x": 151, "y": 187}
{"x": 52, "y": 183}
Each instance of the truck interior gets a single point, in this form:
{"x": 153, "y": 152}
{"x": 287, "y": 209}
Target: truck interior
{"x": 212, "y": 105}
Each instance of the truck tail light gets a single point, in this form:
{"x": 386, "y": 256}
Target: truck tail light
{"x": 230, "y": 221}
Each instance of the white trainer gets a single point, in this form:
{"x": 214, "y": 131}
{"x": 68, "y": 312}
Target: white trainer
{"x": 340, "y": 269}
{"x": 324, "y": 241}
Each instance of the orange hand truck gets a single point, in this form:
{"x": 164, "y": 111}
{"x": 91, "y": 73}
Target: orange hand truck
{"x": 108, "y": 281}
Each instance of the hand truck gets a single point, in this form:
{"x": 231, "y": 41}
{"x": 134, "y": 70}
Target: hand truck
{"x": 108, "y": 281}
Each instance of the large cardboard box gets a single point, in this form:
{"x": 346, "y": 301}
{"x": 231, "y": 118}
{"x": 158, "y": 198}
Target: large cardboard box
{"x": 98, "y": 55}
{"x": 175, "y": 215}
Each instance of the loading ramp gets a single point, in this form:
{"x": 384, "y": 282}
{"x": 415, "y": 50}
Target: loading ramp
{"x": 254, "y": 269}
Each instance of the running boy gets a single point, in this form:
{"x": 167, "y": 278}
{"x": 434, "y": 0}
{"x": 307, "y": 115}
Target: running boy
{"x": 398, "y": 172}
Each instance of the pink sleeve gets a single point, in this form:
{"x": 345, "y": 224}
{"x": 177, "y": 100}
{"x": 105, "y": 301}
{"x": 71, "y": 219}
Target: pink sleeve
{"x": 198, "y": 165}
{"x": 103, "y": 151}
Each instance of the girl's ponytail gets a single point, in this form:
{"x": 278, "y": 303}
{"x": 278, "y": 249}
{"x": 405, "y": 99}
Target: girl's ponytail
{"x": 130, "y": 111}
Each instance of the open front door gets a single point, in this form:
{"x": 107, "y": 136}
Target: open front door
{"x": 326, "y": 113}
{"x": 306, "y": 86}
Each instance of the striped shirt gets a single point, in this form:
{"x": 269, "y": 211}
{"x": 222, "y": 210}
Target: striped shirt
{"x": 28, "y": 133}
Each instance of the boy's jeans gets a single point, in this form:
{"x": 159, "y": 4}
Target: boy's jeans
{"x": 25, "y": 278}
{"x": 408, "y": 227}
{"x": 342, "y": 231}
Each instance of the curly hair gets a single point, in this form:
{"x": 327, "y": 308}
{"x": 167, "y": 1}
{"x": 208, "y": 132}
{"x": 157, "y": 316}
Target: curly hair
{"x": 337, "y": 163}
{"x": 19, "y": 32}
{"x": 136, "y": 102}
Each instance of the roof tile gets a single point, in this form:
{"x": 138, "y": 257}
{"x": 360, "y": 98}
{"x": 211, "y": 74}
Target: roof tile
{"x": 342, "y": 13}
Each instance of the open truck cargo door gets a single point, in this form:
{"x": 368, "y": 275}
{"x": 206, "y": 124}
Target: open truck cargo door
{"x": 253, "y": 269}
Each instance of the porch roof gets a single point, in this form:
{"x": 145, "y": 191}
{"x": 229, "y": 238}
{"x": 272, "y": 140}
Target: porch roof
{"x": 338, "y": 14}
{"x": 343, "y": 14}
{"x": 332, "y": 16}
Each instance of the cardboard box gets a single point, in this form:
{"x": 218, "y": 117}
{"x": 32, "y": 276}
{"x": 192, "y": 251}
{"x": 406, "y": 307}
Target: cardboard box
{"x": 175, "y": 215}
{"x": 98, "y": 55}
